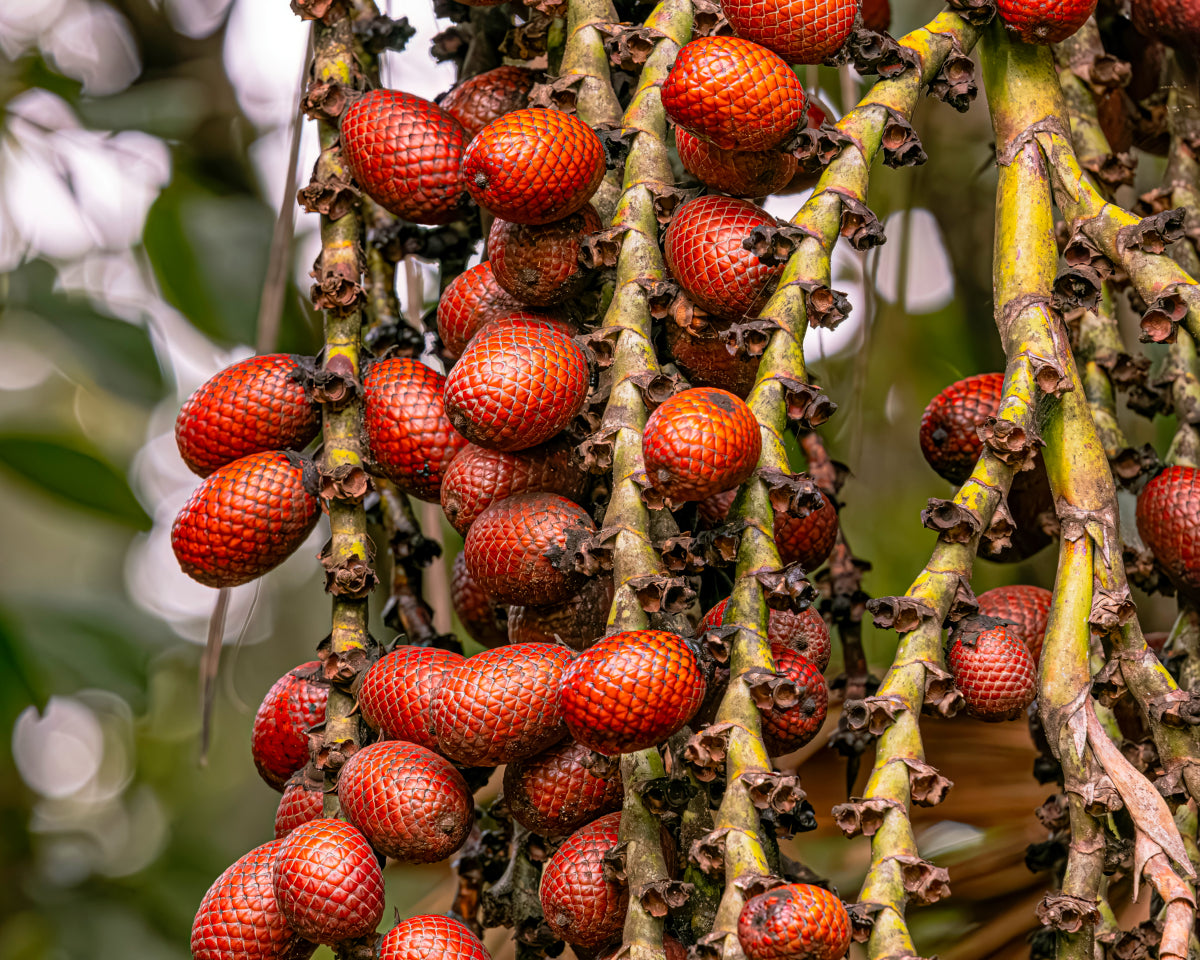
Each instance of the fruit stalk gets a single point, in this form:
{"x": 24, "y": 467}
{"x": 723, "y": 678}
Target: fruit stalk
{"x": 408, "y": 547}
{"x": 1099, "y": 347}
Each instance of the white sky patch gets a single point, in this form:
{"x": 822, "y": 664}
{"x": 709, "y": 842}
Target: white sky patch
{"x": 930, "y": 278}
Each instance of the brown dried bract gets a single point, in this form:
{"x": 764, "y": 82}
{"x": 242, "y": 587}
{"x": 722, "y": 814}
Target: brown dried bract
{"x": 558, "y": 93}
{"x": 325, "y": 100}
{"x": 787, "y": 588}
{"x": 1111, "y": 608}
{"x": 664, "y": 795}
{"x": 1055, "y": 813}
{"x": 595, "y": 554}
{"x": 601, "y": 345}
{"x": 597, "y": 450}
{"x": 603, "y": 249}
{"x": 942, "y": 698}
{"x": 774, "y": 243}
{"x": 1009, "y": 441}
{"x": 776, "y": 791}
{"x": 319, "y": 10}
{"x": 753, "y": 884}
{"x": 334, "y": 383}
{"x": 794, "y": 494}
{"x": 708, "y": 852}
{"x": 706, "y": 750}
{"x": 924, "y": 883}
{"x": 1113, "y": 169}
{"x": 351, "y": 577}
{"x": 1160, "y": 322}
{"x": 862, "y": 919}
{"x": 614, "y": 863}
{"x": 1153, "y": 234}
{"x": 657, "y": 388}
{"x": 661, "y": 296}
{"x": 873, "y": 52}
{"x": 659, "y": 594}
{"x": 874, "y": 714}
{"x": 805, "y": 404}
{"x": 384, "y": 33}
{"x": 950, "y": 521}
{"x": 998, "y": 536}
{"x": 332, "y": 198}
{"x": 628, "y": 45}
{"x": 860, "y": 226}
{"x": 337, "y": 288}
{"x": 708, "y": 20}
{"x": 816, "y": 147}
{"x": 1175, "y": 708}
{"x": 770, "y": 690}
{"x": 668, "y": 199}
{"x": 955, "y": 82}
{"x": 902, "y": 614}
{"x": 345, "y": 481}
{"x": 748, "y": 338}
{"x": 977, "y": 12}
{"x": 824, "y": 306}
{"x": 659, "y": 897}
{"x": 527, "y": 41}
{"x": 901, "y": 145}
{"x": 1061, "y": 911}
{"x": 928, "y": 787}
{"x": 452, "y": 43}
{"x": 865, "y": 817}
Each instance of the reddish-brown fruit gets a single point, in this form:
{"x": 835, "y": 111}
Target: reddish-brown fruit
{"x": 742, "y": 173}
{"x": 707, "y": 362}
{"x": 877, "y": 14}
{"x": 1168, "y": 519}
{"x": 800, "y": 31}
{"x": 794, "y": 922}
{"x": 1044, "y": 21}
{"x": 482, "y": 617}
{"x": 807, "y": 540}
{"x": 255, "y": 405}
{"x": 700, "y": 442}
{"x": 501, "y": 705}
{"x": 733, "y": 93}
{"x": 411, "y": 804}
{"x": 577, "y": 621}
{"x": 949, "y": 426}
{"x": 539, "y": 264}
{"x": 581, "y": 905}
{"x": 303, "y": 799}
{"x": 432, "y": 937}
{"x": 790, "y": 728}
{"x": 295, "y": 703}
{"x": 1027, "y": 607}
{"x": 472, "y": 299}
{"x": 246, "y": 518}
{"x": 410, "y": 436}
{"x": 534, "y": 166}
{"x": 517, "y": 386}
{"x": 631, "y": 691}
{"x": 994, "y": 671}
{"x": 479, "y": 100}
{"x": 405, "y": 152}
{"x": 806, "y": 633}
{"x": 528, "y": 317}
{"x": 397, "y": 691}
{"x": 1175, "y": 22}
{"x": 705, "y": 256}
{"x": 239, "y": 918}
{"x": 555, "y": 792}
{"x": 521, "y": 549}
{"x": 328, "y": 882}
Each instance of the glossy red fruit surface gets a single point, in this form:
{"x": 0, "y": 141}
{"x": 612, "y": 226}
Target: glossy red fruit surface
{"x": 742, "y": 173}
{"x": 521, "y": 549}
{"x": 807, "y": 540}
{"x": 534, "y": 166}
{"x": 397, "y": 691}
{"x": 733, "y": 93}
{"x": 483, "y": 618}
{"x": 631, "y": 691}
{"x": 949, "y": 435}
{"x": 487, "y": 96}
{"x": 700, "y": 442}
{"x": 539, "y": 264}
{"x": 302, "y": 801}
{"x": 516, "y": 387}
{"x": 707, "y": 362}
{"x": 257, "y": 404}
{"x": 530, "y": 318}
{"x": 1027, "y": 607}
{"x": 1175, "y": 22}
{"x": 877, "y": 14}
{"x": 472, "y": 299}
{"x": 239, "y": 919}
{"x": 1044, "y": 21}
{"x": 409, "y": 435}
{"x": 994, "y": 671}
{"x": 1168, "y": 520}
{"x": 581, "y": 906}
{"x": 245, "y": 519}
{"x": 410, "y": 803}
{"x": 578, "y": 621}
{"x": 794, "y": 922}
{"x": 501, "y": 705}
{"x": 328, "y": 882}
{"x": 790, "y": 728}
{"x": 294, "y": 704}
{"x": 432, "y": 938}
{"x": 705, "y": 256}
{"x": 800, "y": 31}
{"x": 405, "y": 152}
{"x": 806, "y": 633}
{"x": 554, "y": 792}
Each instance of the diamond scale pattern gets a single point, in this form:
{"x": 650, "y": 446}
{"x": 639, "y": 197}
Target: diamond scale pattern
{"x": 539, "y": 264}
{"x": 478, "y": 101}
{"x": 1168, "y": 520}
{"x": 807, "y": 540}
{"x": 794, "y": 922}
{"x": 578, "y": 621}
{"x": 949, "y": 438}
{"x": 581, "y": 906}
{"x": 1045, "y": 21}
{"x": 472, "y": 299}
{"x": 302, "y": 801}
{"x": 790, "y": 728}
{"x": 553, "y": 792}
{"x": 742, "y": 173}
{"x": 397, "y": 691}
{"x": 708, "y": 363}
{"x": 806, "y": 633}
{"x": 800, "y": 31}
{"x": 1027, "y": 607}
{"x": 431, "y": 938}
{"x": 480, "y": 615}
{"x": 995, "y": 673}
{"x": 294, "y": 704}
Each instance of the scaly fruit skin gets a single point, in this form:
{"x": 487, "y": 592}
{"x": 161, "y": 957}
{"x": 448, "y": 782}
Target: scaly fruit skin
{"x": 705, "y": 255}
{"x": 1044, "y": 21}
{"x": 1175, "y": 22}
{"x": 806, "y": 633}
{"x": 472, "y": 299}
{"x": 949, "y": 437}
{"x": 1168, "y": 520}
{"x": 302, "y": 801}
{"x": 741, "y": 173}
{"x": 410, "y": 803}
{"x": 409, "y": 435}
{"x": 794, "y": 922}
{"x": 432, "y": 938}
{"x": 554, "y": 793}
{"x": 405, "y": 152}
{"x": 994, "y": 671}
{"x": 246, "y": 518}
{"x": 630, "y": 691}
{"x": 521, "y": 549}
{"x": 501, "y": 705}
{"x": 1027, "y": 607}
{"x": 328, "y": 882}
{"x": 516, "y": 387}
{"x": 239, "y": 918}
{"x": 733, "y": 93}
{"x": 581, "y": 906}
{"x": 800, "y": 31}
{"x": 539, "y": 264}
{"x": 255, "y": 405}
{"x": 790, "y": 728}
{"x": 534, "y": 166}
{"x": 578, "y": 621}
{"x": 807, "y": 540}
{"x": 877, "y": 14}
{"x": 707, "y": 363}
{"x": 700, "y": 442}
{"x": 294, "y": 704}
{"x": 397, "y": 691}
{"x": 478, "y": 101}
{"x": 482, "y": 617}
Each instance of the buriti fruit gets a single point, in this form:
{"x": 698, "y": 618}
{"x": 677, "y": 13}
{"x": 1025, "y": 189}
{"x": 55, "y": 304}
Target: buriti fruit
{"x": 479, "y": 100}
{"x": 1044, "y": 21}
{"x": 303, "y": 799}
{"x": 877, "y": 14}
{"x": 806, "y": 633}
{"x": 581, "y": 905}
{"x": 708, "y": 362}
{"x": 1175, "y": 22}
{"x": 482, "y": 617}
{"x": 949, "y": 425}
{"x": 1168, "y": 520}
{"x": 294, "y": 704}
{"x": 539, "y": 264}
{"x": 797, "y": 921}
{"x": 431, "y": 938}
{"x": 1027, "y": 607}
{"x": 578, "y": 621}
{"x": 800, "y": 31}
{"x": 471, "y": 300}
{"x": 806, "y": 540}
{"x": 992, "y": 668}
{"x": 742, "y": 173}
{"x": 789, "y": 728}
{"x": 255, "y": 405}
{"x": 397, "y": 691}
{"x": 555, "y": 791}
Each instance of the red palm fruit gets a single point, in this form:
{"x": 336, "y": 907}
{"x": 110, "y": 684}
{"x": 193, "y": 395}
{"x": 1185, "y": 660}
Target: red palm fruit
{"x": 521, "y": 549}
{"x": 303, "y": 800}
{"x": 742, "y": 173}
{"x": 530, "y": 318}
{"x": 733, "y": 93}
{"x": 877, "y": 14}
{"x": 700, "y": 442}
{"x": 806, "y": 633}
{"x": 1027, "y": 607}
{"x": 479, "y": 100}
{"x": 432, "y": 937}
{"x": 239, "y": 918}
{"x": 714, "y": 510}
{"x": 411, "y": 804}
{"x": 554, "y": 792}
{"x": 578, "y": 621}
{"x": 1044, "y": 21}
{"x": 789, "y": 728}
{"x": 581, "y": 905}
{"x": 707, "y": 363}
{"x": 794, "y": 922}
{"x": 328, "y": 882}
{"x": 246, "y": 518}
{"x": 1168, "y": 520}
{"x": 294, "y": 704}
{"x": 1175, "y": 22}
{"x": 517, "y": 386}
{"x": 539, "y": 264}
{"x": 257, "y": 404}
{"x": 706, "y": 257}
{"x": 471, "y": 300}
{"x": 534, "y": 166}
{"x": 808, "y": 540}
{"x": 397, "y": 691}
{"x": 949, "y": 437}
{"x": 800, "y": 31}
{"x": 993, "y": 669}
{"x": 410, "y": 437}
{"x": 405, "y": 152}
{"x": 631, "y": 691}
{"x": 501, "y": 705}
{"x": 482, "y": 617}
